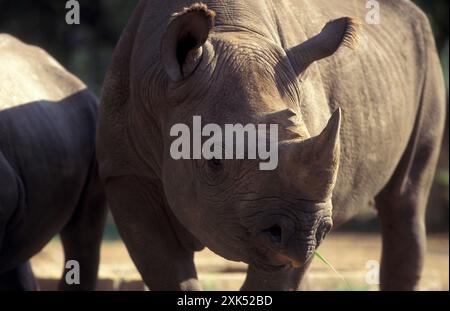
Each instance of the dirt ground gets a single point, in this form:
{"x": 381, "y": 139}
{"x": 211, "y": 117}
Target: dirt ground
{"x": 354, "y": 256}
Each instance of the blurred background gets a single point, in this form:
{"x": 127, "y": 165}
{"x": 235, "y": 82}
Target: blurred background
{"x": 86, "y": 51}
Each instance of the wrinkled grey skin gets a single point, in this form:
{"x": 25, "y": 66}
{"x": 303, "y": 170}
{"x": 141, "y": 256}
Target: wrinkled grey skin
{"x": 262, "y": 62}
{"x": 49, "y": 176}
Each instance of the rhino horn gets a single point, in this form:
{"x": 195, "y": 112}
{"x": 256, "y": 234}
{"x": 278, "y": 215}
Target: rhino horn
{"x": 317, "y": 160}
{"x": 326, "y": 144}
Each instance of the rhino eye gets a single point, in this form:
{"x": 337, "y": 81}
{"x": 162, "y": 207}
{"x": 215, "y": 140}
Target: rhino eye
{"x": 215, "y": 163}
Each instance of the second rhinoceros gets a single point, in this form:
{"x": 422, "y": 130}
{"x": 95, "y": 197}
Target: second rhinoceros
{"x": 360, "y": 110}
{"x": 49, "y": 181}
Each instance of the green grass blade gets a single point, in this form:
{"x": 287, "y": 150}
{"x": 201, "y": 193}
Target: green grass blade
{"x": 327, "y": 263}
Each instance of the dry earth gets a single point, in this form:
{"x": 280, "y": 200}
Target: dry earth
{"x": 348, "y": 253}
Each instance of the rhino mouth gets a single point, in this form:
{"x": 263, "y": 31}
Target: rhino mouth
{"x": 272, "y": 259}
{"x": 269, "y": 267}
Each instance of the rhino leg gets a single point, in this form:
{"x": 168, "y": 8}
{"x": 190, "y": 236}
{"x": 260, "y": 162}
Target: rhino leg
{"x": 141, "y": 213}
{"x": 401, "y": 205}
{"x": 82, "y": 235}
{"x": 20, "y": 278}
{"x": 285, "y": 280}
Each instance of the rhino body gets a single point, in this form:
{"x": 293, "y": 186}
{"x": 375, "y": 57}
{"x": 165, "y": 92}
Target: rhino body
{"x": 49, "y": 180}
{"x": 359, "y": 125}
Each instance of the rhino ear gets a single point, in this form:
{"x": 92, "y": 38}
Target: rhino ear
{"x": 336, "y": 33}
{"x": 181, "y": 46}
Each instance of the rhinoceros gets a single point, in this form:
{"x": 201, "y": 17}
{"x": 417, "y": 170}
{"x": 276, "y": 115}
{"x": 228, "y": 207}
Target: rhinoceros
{"x": 49, "y": 180}
{"x": 360, "y": 108}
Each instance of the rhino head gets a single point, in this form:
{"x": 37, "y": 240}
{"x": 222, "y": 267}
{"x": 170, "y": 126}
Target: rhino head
{"x": 271, "y": 219}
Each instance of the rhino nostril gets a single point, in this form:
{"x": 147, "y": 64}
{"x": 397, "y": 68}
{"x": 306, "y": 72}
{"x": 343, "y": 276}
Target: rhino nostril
{"x": 274, "y": 233}
{"x": 323, "y": 230}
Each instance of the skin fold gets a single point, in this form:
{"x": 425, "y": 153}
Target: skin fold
{"x": 361, "y": 112}
{"x": 49, "y": 175}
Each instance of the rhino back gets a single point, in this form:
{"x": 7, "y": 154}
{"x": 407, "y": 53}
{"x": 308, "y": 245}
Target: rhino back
{"x": 28, "y": 74}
